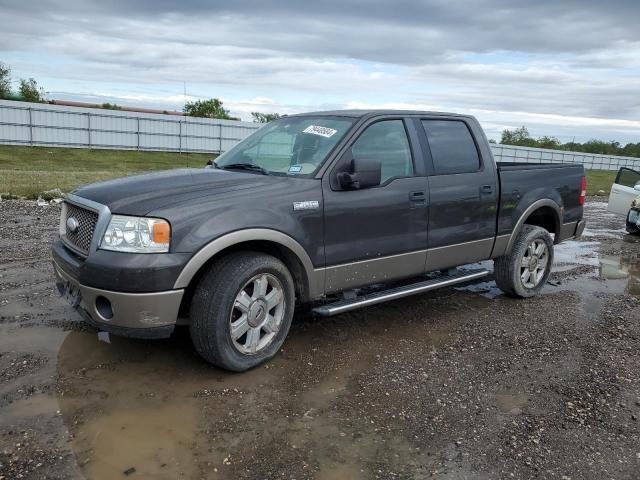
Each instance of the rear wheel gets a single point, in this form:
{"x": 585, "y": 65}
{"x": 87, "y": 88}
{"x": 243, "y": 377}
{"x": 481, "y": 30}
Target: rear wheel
{"x": 525, "y": 269}
{"x": 241, "y": 310}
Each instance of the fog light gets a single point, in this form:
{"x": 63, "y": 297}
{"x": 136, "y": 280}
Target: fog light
{"x": 103, "y": 307}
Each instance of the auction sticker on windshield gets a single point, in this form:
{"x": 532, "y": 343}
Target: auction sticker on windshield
{"x": 322, "y": 131}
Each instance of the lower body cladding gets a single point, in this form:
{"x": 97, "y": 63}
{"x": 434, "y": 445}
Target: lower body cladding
{"x": 571, "y": 230}
{"x": 138, "y": 315}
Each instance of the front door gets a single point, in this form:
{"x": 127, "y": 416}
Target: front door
{"x": 624, "y": 190}
{"x": 376, "y": 234}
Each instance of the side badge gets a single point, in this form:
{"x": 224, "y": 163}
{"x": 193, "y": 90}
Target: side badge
{"x": 308, "y": 205}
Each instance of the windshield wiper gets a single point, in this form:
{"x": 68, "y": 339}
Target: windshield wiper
{"x": 243, "y": 166}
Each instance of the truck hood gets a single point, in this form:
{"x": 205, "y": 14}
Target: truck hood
{"x": 140, "y": 194}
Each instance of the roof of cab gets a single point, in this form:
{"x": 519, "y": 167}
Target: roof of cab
{"x": 371, "y": 113}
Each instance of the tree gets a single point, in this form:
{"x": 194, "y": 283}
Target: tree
{"x": 30, "y": 91}
{"x": 519, "y": 136}
{"x": 111, "y": 106}
{"x": 264, "y": 117}
{"x": 5, "y": 81}
{"x": 548, "y": 142}
{"x": 207, "y": 109}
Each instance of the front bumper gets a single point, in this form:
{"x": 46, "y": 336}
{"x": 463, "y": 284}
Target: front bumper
{"x": 141, "y": 315}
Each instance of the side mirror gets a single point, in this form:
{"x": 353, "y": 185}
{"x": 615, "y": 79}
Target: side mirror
{"x": 361, "y": 174}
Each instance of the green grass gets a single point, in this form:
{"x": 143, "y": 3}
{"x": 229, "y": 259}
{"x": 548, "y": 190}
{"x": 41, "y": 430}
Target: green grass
{"x": 600, "y": 180}
{"x": 28, "y": 171}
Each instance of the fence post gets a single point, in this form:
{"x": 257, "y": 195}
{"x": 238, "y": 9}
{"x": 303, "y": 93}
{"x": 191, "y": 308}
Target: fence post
{"x": 89, "y": 129}
{"x": 30, "y": 127}
{"x": 219, "y": 139}
{"x": 180, "y": 136}
{"x": 138, "y": 132}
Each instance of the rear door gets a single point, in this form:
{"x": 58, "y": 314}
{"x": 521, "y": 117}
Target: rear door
{"x": 463, "y": 194}
{"x": 624, "y": 190}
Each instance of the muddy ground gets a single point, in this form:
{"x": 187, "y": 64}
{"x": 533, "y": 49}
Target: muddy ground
{"x": 459, "y": 383}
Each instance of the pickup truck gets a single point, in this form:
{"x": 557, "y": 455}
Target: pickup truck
{"x": 339, "y": 210}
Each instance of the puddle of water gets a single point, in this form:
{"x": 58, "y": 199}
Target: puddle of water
{"x": 604, "y": 232}
{"x": 625, "y": 268}
{"x": 612, "y": 268}
{"x": 157, "y": 440}
{"x": 512, "y": 403}
{"x": 156, "y": 407}
{"x": 132, "y": 404}
{"x": 486, "y": 289}
{"x": 340, "y": 472}
{"x": 574, "y": 253}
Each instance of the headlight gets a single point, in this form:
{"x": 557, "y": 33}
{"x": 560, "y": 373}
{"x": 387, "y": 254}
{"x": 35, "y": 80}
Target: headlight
{"x": 137, "y": 235}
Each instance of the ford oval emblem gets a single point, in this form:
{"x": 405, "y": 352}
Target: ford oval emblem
{"x": 72, "y": 225}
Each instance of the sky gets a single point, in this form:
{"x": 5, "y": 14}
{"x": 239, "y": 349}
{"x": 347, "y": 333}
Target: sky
{"x": 569, "y": 68}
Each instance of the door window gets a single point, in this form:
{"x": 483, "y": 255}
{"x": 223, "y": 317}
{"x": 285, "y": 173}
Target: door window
{"x": 387, "y": 142}
{"x": 628, "y": 177}
{"x": 452, "y": 147}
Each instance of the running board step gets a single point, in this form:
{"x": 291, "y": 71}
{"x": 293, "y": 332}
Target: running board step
{"x": 399, "y": 292}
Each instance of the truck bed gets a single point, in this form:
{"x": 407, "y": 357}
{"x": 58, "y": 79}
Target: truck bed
{"x": 523, "y": 183}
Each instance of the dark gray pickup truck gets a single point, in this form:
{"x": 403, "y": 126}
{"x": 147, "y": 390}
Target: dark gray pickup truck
{"x": 337, "y": 209}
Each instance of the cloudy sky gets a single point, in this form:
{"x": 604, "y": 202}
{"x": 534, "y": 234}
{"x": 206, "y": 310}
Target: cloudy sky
{"x": 567, "y": 68}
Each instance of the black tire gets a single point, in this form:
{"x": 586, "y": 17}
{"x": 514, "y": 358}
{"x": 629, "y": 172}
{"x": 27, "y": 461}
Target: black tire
{"x": 213, "y": 302}
{"x": 508, "y": 270}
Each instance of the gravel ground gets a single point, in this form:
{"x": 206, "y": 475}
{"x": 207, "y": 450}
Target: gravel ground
{"x": 460, "y": 383}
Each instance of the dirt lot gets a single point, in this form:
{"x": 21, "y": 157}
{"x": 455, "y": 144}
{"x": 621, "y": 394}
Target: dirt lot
{"x": 455, "y": 384}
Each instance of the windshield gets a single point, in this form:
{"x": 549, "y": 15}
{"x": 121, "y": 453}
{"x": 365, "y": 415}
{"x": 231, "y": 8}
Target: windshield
{"x": 290, "y": 145}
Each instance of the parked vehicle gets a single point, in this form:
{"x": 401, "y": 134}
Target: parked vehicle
{"x": 310, "y": 208}
{"x": 624, "y": 199}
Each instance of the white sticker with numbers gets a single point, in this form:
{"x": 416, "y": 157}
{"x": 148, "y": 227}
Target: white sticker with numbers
{"x": 322, "y": 131}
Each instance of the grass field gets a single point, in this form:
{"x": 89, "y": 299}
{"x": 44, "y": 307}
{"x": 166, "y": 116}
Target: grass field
{"x": 29, "y": 171}
{"x": 600, "y": 180}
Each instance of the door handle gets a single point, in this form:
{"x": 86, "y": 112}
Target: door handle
{"x": 486, "y": 189}
{"x": 417, "y": 199}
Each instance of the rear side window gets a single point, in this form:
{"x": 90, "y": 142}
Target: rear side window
{"x": 452, "y": 147}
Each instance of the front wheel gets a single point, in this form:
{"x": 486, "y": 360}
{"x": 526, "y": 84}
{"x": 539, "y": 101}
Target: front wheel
{"x": 525, "y": 269}
{"x": 242, "y": 310}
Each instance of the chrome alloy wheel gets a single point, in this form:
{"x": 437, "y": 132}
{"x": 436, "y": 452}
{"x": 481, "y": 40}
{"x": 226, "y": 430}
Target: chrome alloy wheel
{"x": 257, "y": 314}
{"x": 534, "y": 263}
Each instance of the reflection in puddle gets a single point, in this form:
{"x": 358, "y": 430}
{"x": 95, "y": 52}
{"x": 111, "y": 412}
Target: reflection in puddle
{"x": 622, "y": 267}
{"x": 572, "y": 253}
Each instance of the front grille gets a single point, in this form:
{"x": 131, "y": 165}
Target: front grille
{"x": 87, "y": 219}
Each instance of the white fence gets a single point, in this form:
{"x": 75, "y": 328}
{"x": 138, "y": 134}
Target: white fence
{"x": 37, "y": 124}
{"x": 507, "y": 153}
